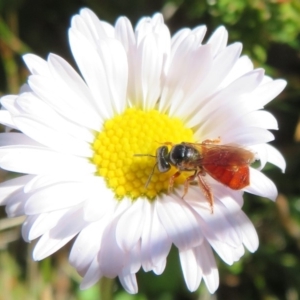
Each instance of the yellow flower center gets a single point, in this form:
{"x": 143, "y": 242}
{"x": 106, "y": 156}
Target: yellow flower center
{"x": 137, "y": 132}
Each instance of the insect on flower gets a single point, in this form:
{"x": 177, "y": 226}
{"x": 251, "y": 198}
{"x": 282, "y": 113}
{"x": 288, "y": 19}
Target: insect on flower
{"x": 227, "y": 164}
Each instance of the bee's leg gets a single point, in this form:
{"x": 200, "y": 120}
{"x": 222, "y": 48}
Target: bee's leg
{"x": 172, "y": 179}
{"x": 187, "y": 182}
{"x": 206, "y": 190}
{"x": 214, "y": 141}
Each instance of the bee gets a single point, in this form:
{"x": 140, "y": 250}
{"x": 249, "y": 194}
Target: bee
{"x": 227, "y": 164}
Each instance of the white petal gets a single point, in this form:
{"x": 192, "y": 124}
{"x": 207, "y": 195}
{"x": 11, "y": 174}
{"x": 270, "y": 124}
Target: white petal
{"x": 259, "y": 119}
{"x": 261, "y": 154}
{"x": 111, "y": 257}
{"x": 92, "y": 275}
{"x": 174, "y": 86}
{"x": 267, "y": 92}
{"x": 134, "y": 216}
{"x": 221, "y": 65}
{"x": 46, "y": 180}
{"x": 155, "y": 243}
{"x": 151, "y": 61}
{"x": 250, "y": 237}
{"x": 58, "y": 236}
{"x": 15, "y": 203}
{"x": 208, "y": 266}
{"x": 8, "y": 102}
{"x": 160, "y": 266}
{"x": 76, "y": 94}
{"x": 25, "y": 88}
{"x": 242, "y": 66}
{"x": 200, "y": 32}
{"x": 16, "y": 139}
{"x": 261, "y": 185}
{"x": 100, "y": 201}
{"x": 57, "y": 196}
{"x": 267, "y": 153}
{"x": 87, "y": 246}
{"x": 98, "y": 28}
{"x": 241, "y": 224}
{"x": 114, "y": 60}
{"x": 229, "y": 197}
{"x": 198, "y": 63}
{"x": 218, "y": 40}
{"x": 191, "y": 272}
{"x": 79, "y": 24}
{"x": 275, "y": 157}
{"x": 129, "y": 283}
{"x": 179, "y": 221}
{"x": 178, "y": 38}
{"x": 225, "y": 101}
{"x": 147, "y": 25}
{"x": 214, "y": 226}
{"x": 36, "y": 65}
{"x": 125, "y": 34}
{"x": 147, "y": 58}
{"x": 37, "y": 225}
{"x": 227, "y": 253}
{"x": 30, "y": 105}
{"x": 19, "y": 159}
{"x": 92, "y": 69}
{"x": 41, "y": 132}
{"x": 6, "y": 119}
{"x": 10, "y": 186}
{"x": 26, "y": 226}
{"x": 47, "y": 89}
{"x": 133, "y": 263}
{"x": 44, "y": 222}
{"x": 245, "y": 136}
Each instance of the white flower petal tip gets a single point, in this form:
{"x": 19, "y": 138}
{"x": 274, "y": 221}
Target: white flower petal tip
{"x": 280, "y": 84}
{"x": 249, "y": 234}
{"x": 72, "y": 190}
{"x": 261, "y": 185}
{"x": 129, "y": 283}
{"x": 267, "y": 153}
{"x": 35, "y": 64}
{"x": 191, "y": 271}
{"x": 92, "y": 276}
{"x": 276, "y": 158}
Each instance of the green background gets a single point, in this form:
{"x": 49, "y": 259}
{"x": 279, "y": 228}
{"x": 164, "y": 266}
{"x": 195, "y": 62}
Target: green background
{"x": 270, "y": 33}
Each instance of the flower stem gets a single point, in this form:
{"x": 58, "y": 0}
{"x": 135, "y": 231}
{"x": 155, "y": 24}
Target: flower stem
{"x": 106, "y": 288}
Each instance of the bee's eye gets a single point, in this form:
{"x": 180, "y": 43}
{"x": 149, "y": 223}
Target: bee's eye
{"x": 162, "y": 155}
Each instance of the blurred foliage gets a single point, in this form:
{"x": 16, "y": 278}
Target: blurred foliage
{"x": 270, "y": 33}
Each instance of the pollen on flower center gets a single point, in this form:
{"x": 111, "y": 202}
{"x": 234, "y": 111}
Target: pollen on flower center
{"x": 136, "y": 132}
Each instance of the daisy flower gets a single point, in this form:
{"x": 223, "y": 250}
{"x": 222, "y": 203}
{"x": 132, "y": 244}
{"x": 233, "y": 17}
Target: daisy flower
{"x": 76, "y": 138}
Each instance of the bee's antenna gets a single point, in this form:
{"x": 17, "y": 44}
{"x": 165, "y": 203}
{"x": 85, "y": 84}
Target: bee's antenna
{"x": 150, "y": 176}
{"x": 144, "y": 155}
